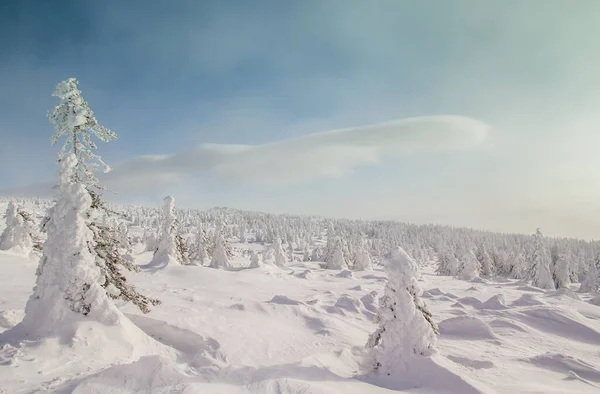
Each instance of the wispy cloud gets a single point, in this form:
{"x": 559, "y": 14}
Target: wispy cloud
{"x": 326, "y": 154}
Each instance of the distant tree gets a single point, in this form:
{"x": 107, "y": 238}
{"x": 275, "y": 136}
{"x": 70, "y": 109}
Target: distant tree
{"x": 335, "y": 259}
{"x": 469, "y": 266}
{"x": 171, "y": 245}
{"x": 540, "y": 263}
{"x": 591, "y": 281}
{"x": 20, "y": 234}
{"x": 560, "y": 268}
{"x": 219, "y": 255}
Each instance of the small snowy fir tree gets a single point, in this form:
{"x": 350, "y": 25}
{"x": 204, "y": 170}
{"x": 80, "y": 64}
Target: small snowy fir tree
{"x": 20, "y": 234}
{"x": 591, "y": 281}
{"x": 540, "y": 263}
{"x": 219, "y": 255}
{"x": 278, "y": 254}
{"x": 198, "y": 249}
{"x": 362, "y": 260}
{"x": 406, "y": 327}
{"x": 469, "y": 267}
{"x": 561, "y": 271}
{"x": 172, "y": 248}
{"x": 335, "y": 259}
{"x": 485, "y": 261}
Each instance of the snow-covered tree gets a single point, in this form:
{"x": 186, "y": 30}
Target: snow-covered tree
{"x": 20, "y": 234}
{"x": 335, "y": 259}
{"x": 219, "y": 257}
{"x": 469, "y": 267}
{"x": 406, "y": 327}
{"x": 561, "y": 271}
{"x": 198, "y": 250}
{"x": 485, "y": 261}
{"x": 171, "y": 245}
{"x": 277, "y": 253}
{"x": 540, "y": 263}
{"x": 447, "y": 264}
{"x": 362, "y": 260}
{"x": 591, "y": 281}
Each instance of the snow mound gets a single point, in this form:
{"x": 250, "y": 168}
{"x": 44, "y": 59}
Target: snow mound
{"x": 370, "y": 301}
{"x": 11, "y": 317}
{"x": 567, "y": 365}
{"x": 345, "y": 274}
{"x": 495, "y": 303}
{"x": 450, "y": 295}
{"x": 458, "y": 305}
{"x": 479, "y": 280}
{"x": 349, "y": 303}
{"x": 470, "y": 363}
{"x": 284, "y": 300}
{"x": 471, "y": 301}
{"x": 432, "y": 293}
{"x": 132, "y": 378}
{"x": 563, "y": 322}
{"x": 198, "y": 351}
{"x": 306, "y": 274}
{"x": 466, "y": 327}
{"x": 504, "y": 326}
{"x": 528, "y": 300}
{"x": 564, "y": 292}
{"x": 530, "y": 288}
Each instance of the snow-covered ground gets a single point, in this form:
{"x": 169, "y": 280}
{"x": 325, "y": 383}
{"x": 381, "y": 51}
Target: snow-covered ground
{"x": 289, "y": 330}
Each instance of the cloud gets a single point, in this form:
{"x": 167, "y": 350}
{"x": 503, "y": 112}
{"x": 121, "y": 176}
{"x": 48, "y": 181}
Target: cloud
{"x": 326, "y": 154}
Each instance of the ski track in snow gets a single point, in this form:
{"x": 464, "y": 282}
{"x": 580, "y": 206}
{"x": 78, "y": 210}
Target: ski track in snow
{"x": 273, "y": 330}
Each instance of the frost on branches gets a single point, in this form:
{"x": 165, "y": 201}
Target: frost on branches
{"x": 74, "y": 120}
{"x": 111, "y": 246}
{"x": 20, "y": 234}
{"x": 591, "y": 281}
{"x": 171, "y": 245}
{"x": 406, "y": 327}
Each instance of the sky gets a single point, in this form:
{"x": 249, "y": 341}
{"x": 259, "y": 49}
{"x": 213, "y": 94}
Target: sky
{"x": 465, "y": 112}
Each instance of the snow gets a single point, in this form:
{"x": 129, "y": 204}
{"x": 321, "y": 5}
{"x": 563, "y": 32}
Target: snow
{"x": 301, "y": 328}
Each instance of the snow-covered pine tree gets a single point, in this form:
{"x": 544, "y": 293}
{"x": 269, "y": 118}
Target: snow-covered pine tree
{"x": 362, "y": 260}
{"x": 561, "y": 270}
{"x": 469, "y": 267}
{"x": 406, "y": 327}
{"x": 20, "y": 234}
{"x": 485, "y": 260}
{"x": 198, "y": 249}
{"x": 172, "y": 248}
{"x": 279, "y": 257}
{"x": 335, "y": 259}
{"x": 591, "y": 281}
{"x": 540, "y": 263}
{"x": 219, "y": 255}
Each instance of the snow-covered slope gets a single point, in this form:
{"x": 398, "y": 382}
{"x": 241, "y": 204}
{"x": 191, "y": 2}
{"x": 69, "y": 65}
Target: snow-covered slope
{"x": 274, "y": 330}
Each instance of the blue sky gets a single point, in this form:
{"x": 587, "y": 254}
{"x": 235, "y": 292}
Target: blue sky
{"x": 166, "y": 76}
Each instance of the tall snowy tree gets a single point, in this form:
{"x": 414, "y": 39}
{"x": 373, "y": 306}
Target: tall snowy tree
{"x": 335, "y": 259}
{"x": 540, "y": 263}
{"x": 406, "y": 327}
{"x": 485, "y": 261}
{"x": 469, "y": 267}
{"x": 561, "y": 271}
{"x": 362, "y": 260}
{"x": 172, "y": 248}
{"x": 591, "y": 281}
{"x": 219, "y": 255}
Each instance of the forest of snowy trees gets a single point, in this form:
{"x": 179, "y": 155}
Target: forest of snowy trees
{"x": 84, "y": 248}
